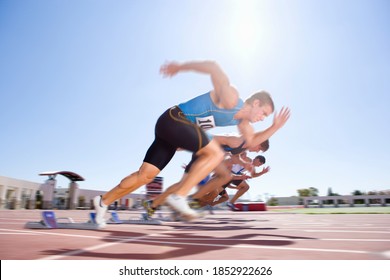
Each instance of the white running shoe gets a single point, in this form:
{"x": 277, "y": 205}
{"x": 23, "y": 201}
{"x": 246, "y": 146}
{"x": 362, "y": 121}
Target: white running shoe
{"x": 232, "y": 206}
{"x": 100, "y": 211}
{"x": 180, "y": 204}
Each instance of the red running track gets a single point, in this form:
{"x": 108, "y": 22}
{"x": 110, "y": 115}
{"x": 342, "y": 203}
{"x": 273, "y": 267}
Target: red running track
{"x": 223, "y": 236}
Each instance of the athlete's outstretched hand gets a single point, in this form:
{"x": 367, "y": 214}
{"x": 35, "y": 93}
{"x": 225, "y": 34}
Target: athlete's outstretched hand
{"x": 169, "y": 69}
{"x": 265, "y": 170}
{"x": 282, "y": 117}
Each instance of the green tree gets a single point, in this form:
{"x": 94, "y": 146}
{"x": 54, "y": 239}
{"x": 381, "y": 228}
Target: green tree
{"x": 272, "y": 201}
{"x": 357, "y": 192}
{"x": 358, "y": 201}
{"x": 303, "y": 192}
{"x": 331, "y": 193}
{"x": 306, "y": 192}
{"x": 313, "y": 191}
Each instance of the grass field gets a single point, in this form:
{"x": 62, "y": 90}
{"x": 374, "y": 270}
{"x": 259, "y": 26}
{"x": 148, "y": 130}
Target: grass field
{"x": 339, "y": 210}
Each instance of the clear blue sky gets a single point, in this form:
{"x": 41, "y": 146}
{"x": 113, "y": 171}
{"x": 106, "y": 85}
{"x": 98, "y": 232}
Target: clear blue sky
{"x": 80, "y": 88}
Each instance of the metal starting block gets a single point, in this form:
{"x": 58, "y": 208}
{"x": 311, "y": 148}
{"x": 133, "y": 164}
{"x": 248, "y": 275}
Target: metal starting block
{"x": 49, "y": 221}
{"x": 116, "y": 220}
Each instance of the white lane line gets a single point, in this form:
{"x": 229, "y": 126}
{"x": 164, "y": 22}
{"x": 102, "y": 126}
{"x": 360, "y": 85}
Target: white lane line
{"x": 262, "y": 247}
{"x": 161, "y": 236}
{"x": 9, "y": 223}
{"x": 145, "y": 239}
{"x": 17, "y": 233}
{"x": 77, "y": 252}
{"x": 273, "y": 239}
{"x": 15, "y": 219}
{"x": 334, "y": 227}
{"x": 386, "y": 254}
{"x": 306, "y": 224}
{"x": 354, "y": 231}
{"x": 80, "y": 251}
{"x": 96, "y": 247}
{"x": 53, "y": 233}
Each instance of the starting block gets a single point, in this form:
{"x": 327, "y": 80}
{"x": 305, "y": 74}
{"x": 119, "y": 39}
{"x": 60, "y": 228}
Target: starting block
{"x": 116, "y": 220}
{"x": 49, "y": 221}
{"x": 153, "y": 189}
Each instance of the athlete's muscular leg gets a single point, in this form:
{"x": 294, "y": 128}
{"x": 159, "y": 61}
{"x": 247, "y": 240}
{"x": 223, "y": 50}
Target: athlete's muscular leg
{"x": 221, "y": 176}
{"x": 206, "y": 200}
{"x": 160, "y": 199}
{"x": 220, "y": 172}
{"x": 209, "y": 198}
{"x": 144, "y": 175}
{"x": 223, "y": 198}
{"x": 208, "y": 159}
{"x": 243, "y": 188}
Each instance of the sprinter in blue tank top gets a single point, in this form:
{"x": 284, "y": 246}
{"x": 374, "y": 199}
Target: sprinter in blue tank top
{"x": 182, "y": 127}
{"x": 202, "y": 111}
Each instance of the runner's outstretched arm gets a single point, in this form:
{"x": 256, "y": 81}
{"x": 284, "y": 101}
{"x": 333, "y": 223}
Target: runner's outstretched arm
{"x": 253, "y": 139}
{"x": 224, "y": 95}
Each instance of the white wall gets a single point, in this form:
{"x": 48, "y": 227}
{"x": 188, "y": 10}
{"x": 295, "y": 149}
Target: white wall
{"x": 15, "y": 193}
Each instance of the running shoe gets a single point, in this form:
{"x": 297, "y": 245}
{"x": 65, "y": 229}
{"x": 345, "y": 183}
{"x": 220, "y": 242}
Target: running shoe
{"x": 232, "y": 206}
{"x": 175, "y": 216}
{"x": 100, "y": 211}
{"x": 179, "y": 203}
{"x": 194, "y": 204}
{"x": 147, "y": 204}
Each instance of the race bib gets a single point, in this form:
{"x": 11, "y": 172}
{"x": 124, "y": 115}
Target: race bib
{"x": 206, "y": 122}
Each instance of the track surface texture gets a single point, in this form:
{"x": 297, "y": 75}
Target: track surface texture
{"x": 224, "y": 235}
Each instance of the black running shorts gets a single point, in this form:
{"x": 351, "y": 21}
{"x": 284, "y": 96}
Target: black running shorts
{"x": 173, "y": 130}
{"x": 233, "y": 182}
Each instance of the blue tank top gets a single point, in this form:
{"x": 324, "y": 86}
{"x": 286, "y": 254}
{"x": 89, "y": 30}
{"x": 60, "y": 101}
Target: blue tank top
{"x": 202, "y": 111}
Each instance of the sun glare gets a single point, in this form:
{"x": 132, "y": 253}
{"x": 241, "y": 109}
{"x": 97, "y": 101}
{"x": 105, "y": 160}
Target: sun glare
{"x": 245, "y": 28}
{"x": 245, "y": 32}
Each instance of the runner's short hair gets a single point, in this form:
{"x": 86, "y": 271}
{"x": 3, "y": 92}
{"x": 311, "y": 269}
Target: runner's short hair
{"x": 265, "y": 145}
{"x": 260, "y": 158}
{"x": 264, "y": 98}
